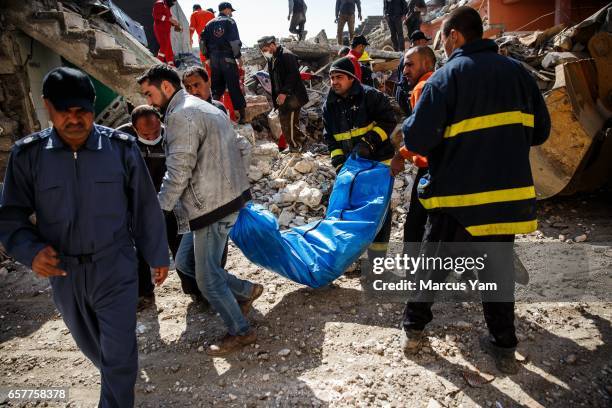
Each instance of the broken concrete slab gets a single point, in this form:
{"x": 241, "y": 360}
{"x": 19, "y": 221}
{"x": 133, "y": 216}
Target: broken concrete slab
{"x": 256, "y": 105}
{"x": 552, "y": 59}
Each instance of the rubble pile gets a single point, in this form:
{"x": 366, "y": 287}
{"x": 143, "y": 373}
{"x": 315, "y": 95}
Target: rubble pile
{"x": 439, "y": 8}
{"x": 296, "y": 186}
{"x": 291, "y": 186}
{"x": 542, "y": 51}
{"x": 380, "y": 37}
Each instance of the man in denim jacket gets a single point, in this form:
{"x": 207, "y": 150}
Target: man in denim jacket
{"x": 206, "y": 185}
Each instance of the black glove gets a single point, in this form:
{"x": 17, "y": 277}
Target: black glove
{"x": 363, "y": 150}
{"x": 338, "y": 162}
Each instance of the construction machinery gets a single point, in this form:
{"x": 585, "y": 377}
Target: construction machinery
{"x": 578, "y": 154}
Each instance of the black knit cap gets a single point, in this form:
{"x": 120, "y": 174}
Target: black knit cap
{"x": 69, "y": 88}
{"x": 343, "y": 65}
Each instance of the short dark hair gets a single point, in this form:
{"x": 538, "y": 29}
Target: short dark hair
{"x": 467, "y": 21}
{"x": 195, "y": 70}
{"x": 426, "y": 53}
{"x": 197, "y": 7}
{"x": 143, "y": 111}
{"x": 159, "y": 73}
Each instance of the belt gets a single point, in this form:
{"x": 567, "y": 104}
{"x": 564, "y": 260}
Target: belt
{"x": 84, "y": 259}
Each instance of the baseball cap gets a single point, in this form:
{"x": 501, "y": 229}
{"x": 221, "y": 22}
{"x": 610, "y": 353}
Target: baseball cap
{"x": 225, "y": 5}
{"x": 418, "y": 35}
{"x": 268, "y": 39}
{"x": 359, "y": 40}
{"x": 69, "y": 88}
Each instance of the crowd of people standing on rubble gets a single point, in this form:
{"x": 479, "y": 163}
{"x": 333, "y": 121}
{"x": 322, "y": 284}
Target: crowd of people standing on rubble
{"x": 111, "y": 203}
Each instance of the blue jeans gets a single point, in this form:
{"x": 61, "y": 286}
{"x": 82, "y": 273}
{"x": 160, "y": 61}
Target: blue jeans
{"x": 200, "y": 255}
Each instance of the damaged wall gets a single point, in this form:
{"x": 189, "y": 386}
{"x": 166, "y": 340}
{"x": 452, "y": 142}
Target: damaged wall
{"x": 17, "y": 112}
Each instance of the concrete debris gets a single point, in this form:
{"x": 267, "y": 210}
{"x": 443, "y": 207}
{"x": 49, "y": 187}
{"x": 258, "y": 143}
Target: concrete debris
{"x": 290, "y": 193}
{"x": 310, "y": 196}
{"x": 542, "y": 51}
{"x": 286, "y": 217}
{"x": 552, "y": 59}
{"x": 256, "y": 105}
{"x": 581, "y": 238}
{"x": 304, "y": 166}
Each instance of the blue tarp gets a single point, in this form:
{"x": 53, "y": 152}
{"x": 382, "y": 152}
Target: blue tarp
{"x": 318, "y": 253}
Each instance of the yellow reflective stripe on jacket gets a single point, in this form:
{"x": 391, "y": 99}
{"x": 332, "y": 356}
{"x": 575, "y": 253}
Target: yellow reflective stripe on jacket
{"x": 378, "y": 246}
{"x": 381, "y": 133}
{"x": 490, "y": 121}
{"x": 336, "y": 152}
{"x": 486, "y": 197}
{"x": 354, "y": 133}
{"x": 505, "y": 228}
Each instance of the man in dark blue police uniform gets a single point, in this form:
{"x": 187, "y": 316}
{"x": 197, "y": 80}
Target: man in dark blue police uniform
{"x": 94, "y": 202}
{"x": 220, "y": 43}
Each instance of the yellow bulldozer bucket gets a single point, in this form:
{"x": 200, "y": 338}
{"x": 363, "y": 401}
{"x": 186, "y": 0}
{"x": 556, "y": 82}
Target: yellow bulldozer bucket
{"x": 578, "y": 154}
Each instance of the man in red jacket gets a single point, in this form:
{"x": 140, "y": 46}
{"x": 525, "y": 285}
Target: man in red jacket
{"x": 162, "y": 24}
{"x": 198, "y": 21}
{"x": 357, "y": 48}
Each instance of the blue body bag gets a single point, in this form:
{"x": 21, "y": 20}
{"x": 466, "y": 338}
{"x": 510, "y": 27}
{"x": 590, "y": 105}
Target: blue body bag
{"x": 318, "y": 253}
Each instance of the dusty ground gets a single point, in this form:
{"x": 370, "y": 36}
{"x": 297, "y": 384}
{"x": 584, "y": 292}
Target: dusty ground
{"x": 333, "y": 347}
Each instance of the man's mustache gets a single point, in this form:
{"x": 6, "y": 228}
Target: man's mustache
{"x": 75, "y": 127}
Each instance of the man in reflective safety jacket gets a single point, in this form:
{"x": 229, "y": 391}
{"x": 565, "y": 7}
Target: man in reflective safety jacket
{"x": 358, "y": 119}
{"x": 476, "y": 120}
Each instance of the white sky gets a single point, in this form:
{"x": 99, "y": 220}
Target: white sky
{"x": 256, "y": 18}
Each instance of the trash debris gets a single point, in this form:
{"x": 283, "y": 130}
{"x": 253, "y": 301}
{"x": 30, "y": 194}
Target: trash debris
{"x": 477, "y": 379}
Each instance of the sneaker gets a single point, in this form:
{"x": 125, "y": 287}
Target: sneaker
{"x": 411, "y": 341}
{"x": 505, "y": 361}
{"x": 229, "y": 344}
{"x": 255, "y": 293}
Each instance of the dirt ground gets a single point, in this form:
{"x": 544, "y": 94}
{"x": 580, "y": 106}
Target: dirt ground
{"x": 334, "y": 346}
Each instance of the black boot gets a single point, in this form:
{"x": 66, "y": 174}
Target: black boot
{"x": 242, "y": 120}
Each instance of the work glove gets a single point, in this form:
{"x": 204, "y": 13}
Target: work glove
{"x": 338, "y": 162}
{"x": 363, "y": 149}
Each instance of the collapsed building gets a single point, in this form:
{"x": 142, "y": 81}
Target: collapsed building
{"x": 96, "y": 37}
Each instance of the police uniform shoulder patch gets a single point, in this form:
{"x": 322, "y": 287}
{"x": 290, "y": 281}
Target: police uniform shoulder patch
{"x": 115, "y": 134}
{"x": 219, "y": 31}
{"x": 34, "y": 137}
{"x": 122, "y": 136}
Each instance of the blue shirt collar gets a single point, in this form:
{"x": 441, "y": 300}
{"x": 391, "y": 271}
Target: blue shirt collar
{"x": 474, "y": 47}
{"x": 93, "y": 142}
